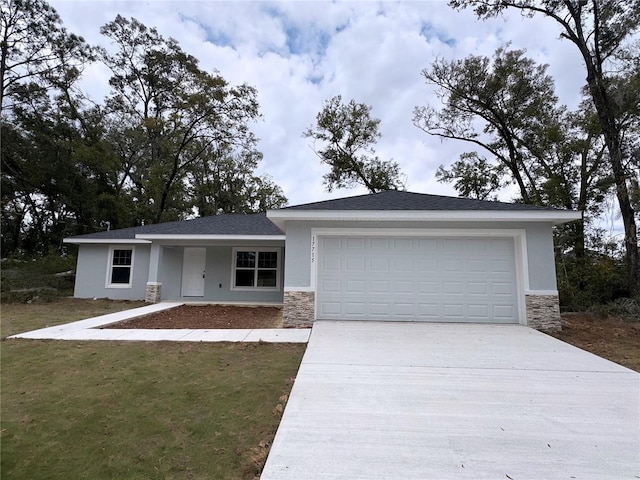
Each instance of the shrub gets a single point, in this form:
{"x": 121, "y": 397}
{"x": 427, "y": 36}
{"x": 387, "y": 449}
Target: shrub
{"x": 590, "y": 281}
{"x": 620, "y": 307}
{"x": 33, "y": 279}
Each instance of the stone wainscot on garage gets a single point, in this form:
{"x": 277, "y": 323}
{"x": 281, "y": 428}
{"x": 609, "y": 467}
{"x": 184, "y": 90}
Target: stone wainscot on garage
{"x": 388, "y": 256}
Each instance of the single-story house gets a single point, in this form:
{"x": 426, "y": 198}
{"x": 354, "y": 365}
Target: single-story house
{"x": 393, "y": 255}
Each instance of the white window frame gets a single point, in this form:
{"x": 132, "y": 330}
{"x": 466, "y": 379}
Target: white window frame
{"x": 257, "y": 251}
{"x": 112, "y": 249}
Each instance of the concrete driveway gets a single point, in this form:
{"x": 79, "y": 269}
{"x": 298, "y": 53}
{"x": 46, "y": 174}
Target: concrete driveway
{"x": 376, "y": 400}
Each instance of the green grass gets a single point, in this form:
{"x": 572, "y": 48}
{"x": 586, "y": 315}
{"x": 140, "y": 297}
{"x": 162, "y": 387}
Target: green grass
{"x": 23, "y": 317}
{"x": 137, "y": 410}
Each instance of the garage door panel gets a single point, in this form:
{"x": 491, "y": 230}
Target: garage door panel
{"x": 417, "y": 278}
{"x": 379, "y": 243}
{"x": 427, "y": 265}
{"x": 403, "y": 309}
{"x": 379, "y": 286}
{"x": 500, "y": 266}
{"x": 500, "y": 244}
{"x": 453, "y": 310}
{"x": 380, "y": 309}
{"x": 355, "y": 308}
{"x": 477, "y": 244}
{"x": 477, "y": 266}
{"x": 452, "y": 287}
{"x": 477, "y": 288}
{"x": 355, "y": 286}
{"x": 478, "y": 311}
{"x": 330, "y": 308}
{"x": 501, "y": 288}
{"x": 355, "y": 264}
{"x": 503, "y": 311}
{"x": 331, "y": 264}
{"x": 379, "y": 264}
{"x": 400, "y": 244}
{"x": 428, "y": 288}
{"x": 402, "y": 264}
{"x": 426, "y": 244}
{"x": 331, "y": 286}
{"x": 453, "y": 265}
{"x": 452, "y": 245}
{"x": 403, "y": 287}
{"x": 354, "y": 243}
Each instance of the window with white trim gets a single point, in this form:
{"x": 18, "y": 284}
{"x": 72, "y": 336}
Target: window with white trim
{"x": 120, "y": 271}
{"x": 259, "y": 269}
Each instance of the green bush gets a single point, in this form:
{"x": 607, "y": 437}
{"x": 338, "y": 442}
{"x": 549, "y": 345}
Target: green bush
{"x": 621, "y": 307}
{"x": 592, "y": 281}
{"x": 33, "y": 279}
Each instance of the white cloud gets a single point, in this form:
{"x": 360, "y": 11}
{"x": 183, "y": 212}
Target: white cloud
{"x": 298, "y": 54}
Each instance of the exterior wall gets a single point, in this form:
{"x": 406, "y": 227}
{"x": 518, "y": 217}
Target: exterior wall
{"x": 538, "y": 278}
{"x": 170, "y": 272}
{"x": 91, "y": 273}
{"x": 541, "y": 265}
{"x": 299, "y": 309}
{"x": 218, "y": 279}
{"x": 298, "y": 255}
{"x": 543, "y": 312}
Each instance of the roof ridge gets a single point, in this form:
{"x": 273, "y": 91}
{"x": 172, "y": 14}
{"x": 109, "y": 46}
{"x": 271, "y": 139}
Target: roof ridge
{"x": 405, "y": 200}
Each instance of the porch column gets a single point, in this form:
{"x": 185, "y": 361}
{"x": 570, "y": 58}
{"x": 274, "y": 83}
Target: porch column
{"x": 153, "y": 292}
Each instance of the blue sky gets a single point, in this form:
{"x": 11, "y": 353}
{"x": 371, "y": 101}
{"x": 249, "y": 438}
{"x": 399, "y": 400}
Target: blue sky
{"x": 299, "y": 54}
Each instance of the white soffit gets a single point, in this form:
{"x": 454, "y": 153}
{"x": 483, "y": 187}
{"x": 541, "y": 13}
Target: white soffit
{"x": 208, "y": 237}
{"x": 127, "y": 241}
{"x": 555, "y": 216}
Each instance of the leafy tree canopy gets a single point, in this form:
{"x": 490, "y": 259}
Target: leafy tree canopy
{"x": 347, "y": 134}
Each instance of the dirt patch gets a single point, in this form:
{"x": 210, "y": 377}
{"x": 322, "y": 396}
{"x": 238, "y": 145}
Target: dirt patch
{"x": 613, "y": 338}
{"x": 208, "y": 317}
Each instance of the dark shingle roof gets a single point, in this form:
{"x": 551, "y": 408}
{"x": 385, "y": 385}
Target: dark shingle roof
{"x": 231, "y": 224}
{"x": 400, "y": 200}
{"x": 259, "y": 224}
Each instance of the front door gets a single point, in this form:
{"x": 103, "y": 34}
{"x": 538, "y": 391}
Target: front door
{"x": 193, "y": 266}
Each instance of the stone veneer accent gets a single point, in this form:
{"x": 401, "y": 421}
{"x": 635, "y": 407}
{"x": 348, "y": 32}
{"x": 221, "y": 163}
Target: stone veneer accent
{"x": 543, "y": 312}
{"x": 152, "y": 292}
{"x": 299, "y": 309}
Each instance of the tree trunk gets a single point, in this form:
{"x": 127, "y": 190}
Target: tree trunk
{"x": 611, "y": 134}
{"x": 604, "y": 105}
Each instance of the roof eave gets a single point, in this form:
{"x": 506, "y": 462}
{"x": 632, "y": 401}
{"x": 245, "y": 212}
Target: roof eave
{"x": 149, "y": 238}
{"x": 280, "y": 217}
{"x": 81, "y": 241}
{"x": 164, "y": 236}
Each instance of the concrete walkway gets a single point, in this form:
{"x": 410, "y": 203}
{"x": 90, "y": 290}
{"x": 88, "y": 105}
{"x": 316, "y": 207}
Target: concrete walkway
{"x": 455, "y": 401}
{"x": 89, "y": 329}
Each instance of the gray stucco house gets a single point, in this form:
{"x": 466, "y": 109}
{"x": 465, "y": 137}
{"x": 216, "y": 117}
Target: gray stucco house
{"x": 391, "y": 255}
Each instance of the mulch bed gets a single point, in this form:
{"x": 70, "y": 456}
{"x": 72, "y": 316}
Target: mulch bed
{"x": 208, "y": 317}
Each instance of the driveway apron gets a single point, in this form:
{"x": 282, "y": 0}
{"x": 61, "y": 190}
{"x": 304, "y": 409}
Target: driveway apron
{"x": 376, "y": 400}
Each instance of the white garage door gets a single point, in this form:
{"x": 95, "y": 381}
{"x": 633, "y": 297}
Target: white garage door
{"x": 416, "y": 279}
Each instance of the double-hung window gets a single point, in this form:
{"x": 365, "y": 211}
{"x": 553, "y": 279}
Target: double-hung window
{"x": 258, "y": 269}
{"x": 120, "y": 270}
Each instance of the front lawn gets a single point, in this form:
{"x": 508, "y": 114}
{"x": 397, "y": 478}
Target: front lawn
{"x": 165, "y": 410}
{"x": 24, "y": 317}
{"x": 137, "y": 410}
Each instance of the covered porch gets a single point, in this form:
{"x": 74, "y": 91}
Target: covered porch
{"x": 217, "y": 271}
